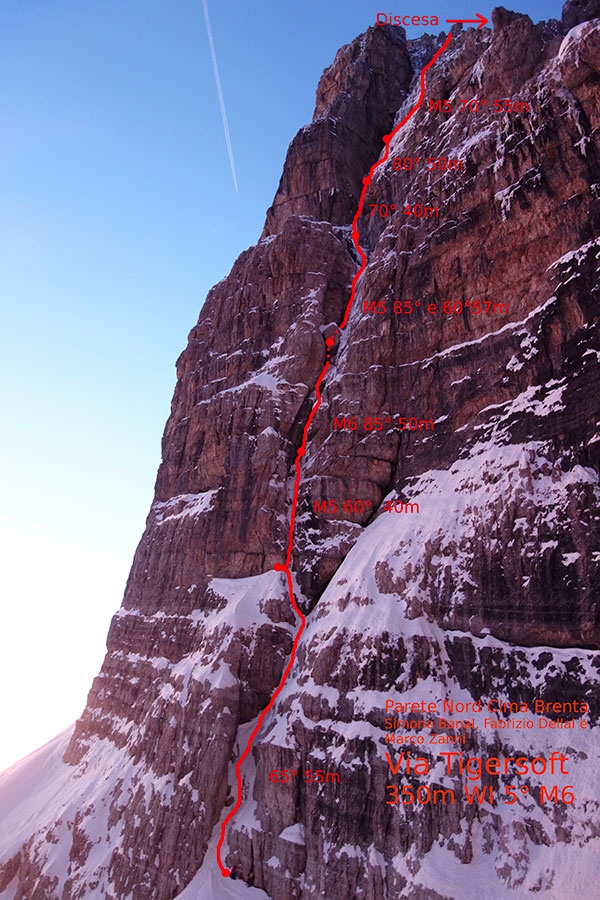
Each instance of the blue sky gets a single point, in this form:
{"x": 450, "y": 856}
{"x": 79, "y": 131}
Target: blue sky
{"x": 117, "y": 214}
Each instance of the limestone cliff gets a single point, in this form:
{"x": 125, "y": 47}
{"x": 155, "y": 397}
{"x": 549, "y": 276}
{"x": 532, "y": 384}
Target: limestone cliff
{"x": 476, "y": 324}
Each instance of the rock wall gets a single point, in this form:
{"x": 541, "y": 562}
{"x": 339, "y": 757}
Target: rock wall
{"x": 489, "y": 591}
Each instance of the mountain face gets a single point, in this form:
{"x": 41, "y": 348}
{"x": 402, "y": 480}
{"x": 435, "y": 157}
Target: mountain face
{"x": 446, "y": 544}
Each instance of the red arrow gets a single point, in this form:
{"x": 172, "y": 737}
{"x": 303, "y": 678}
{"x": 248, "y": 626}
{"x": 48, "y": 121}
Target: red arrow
{"x": 482, "y": 21}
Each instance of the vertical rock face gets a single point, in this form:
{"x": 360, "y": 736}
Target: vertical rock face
{"x": 356, "y": 101}
{"x": 475, "y": 322}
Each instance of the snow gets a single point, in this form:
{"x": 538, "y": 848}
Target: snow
{"x": 567, "y": 876}
{"x": 572, "y": 37}
{"x": 210, "y": 884}
{"x": 42, "y": 790}
{"x": 513, "y": 365}
{"x": 506, "y": 862}
{"x": 577, "y": 255}
{"x": 10, "y": 891}
{"x": 184, "y": 504}
{"x": 510, "y": 326}
{"x": 573, "y": 114}
{"x": 295, "y": 834}
{"x": 529, "y": 402}
{"x": 530, "y": 179}
{"x": 245, "y": 598}
{"x": 243, "y": 611}
{"x": 29, "y": 788}
{"x": 43, "y": 793}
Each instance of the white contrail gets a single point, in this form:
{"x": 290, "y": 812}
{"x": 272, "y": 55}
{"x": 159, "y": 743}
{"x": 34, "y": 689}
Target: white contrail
{"x": 220, "y": 93}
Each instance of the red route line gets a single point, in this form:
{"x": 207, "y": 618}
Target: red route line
{"x": 302, "y": 450}
{"x": 299, "y": 455}
{"x": 368, "y": 178}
